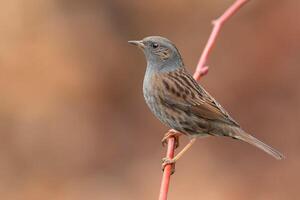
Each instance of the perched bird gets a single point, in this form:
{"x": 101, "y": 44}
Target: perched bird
{"x": 178, "y": 101}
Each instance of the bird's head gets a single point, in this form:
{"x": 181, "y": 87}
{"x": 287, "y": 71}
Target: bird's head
{"x": 160, "y": 53}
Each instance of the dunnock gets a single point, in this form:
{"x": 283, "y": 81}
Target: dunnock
{"x": 178, "y": 101}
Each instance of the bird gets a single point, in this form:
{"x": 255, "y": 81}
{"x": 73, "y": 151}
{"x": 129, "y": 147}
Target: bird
{"x": 179, "y": 102}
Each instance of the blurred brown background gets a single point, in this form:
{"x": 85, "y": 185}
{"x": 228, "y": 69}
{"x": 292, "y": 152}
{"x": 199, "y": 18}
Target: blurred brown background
{"x": 73, "y": 122}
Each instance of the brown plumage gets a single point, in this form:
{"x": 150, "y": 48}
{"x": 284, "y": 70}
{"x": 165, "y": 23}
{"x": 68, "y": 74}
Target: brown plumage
{"x": 180, "y": 102}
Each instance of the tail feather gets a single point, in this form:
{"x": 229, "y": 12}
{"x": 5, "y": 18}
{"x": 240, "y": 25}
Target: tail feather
{"x": 242, "y": 135}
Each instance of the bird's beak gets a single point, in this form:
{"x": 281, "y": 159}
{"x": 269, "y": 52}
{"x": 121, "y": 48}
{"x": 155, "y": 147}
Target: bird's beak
{"x": 138, "y": 43}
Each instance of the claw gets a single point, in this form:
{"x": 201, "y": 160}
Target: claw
{"x": 167, "y": 161}
{"x": 171, "y": 133}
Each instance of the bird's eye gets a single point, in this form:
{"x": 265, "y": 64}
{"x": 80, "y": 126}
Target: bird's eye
{"x": 154, "y": 45}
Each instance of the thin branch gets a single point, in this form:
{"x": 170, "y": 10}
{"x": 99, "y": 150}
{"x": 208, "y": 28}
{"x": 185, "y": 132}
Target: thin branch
{"x": 201, "y": 70}
{"x": 202, "y": 67}
{"x": 164, "y": 188}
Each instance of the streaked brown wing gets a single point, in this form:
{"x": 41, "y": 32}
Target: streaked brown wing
{"x": 183, "y": 92}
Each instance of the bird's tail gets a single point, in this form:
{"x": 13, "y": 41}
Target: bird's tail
{"x": 238, "y": 133}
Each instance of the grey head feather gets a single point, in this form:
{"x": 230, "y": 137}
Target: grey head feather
{"x": 161, "y": 54}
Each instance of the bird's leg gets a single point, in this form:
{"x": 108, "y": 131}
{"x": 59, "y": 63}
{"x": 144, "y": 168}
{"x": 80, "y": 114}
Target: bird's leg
{"x": 167, "y": 161}
{"x": 171, "y": 133}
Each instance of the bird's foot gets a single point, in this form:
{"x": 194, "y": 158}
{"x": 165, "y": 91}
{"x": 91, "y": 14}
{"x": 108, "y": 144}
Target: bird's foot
{"x": 171, "y": 133}
{"x": 168, "y": 161}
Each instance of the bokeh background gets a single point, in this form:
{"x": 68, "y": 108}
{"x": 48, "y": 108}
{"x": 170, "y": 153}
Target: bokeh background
{"x": 73, "y": 122}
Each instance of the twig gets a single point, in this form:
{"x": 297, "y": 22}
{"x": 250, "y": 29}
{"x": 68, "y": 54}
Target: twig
{"x": 201, "y": 70}
{"x": 167, "y": 171}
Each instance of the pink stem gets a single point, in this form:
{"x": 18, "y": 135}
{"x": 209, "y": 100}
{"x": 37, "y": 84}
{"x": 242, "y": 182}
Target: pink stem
{"x": 164, "y": 188}
{"x": 202, "y": 68}
{"x": 200, "y": 71}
